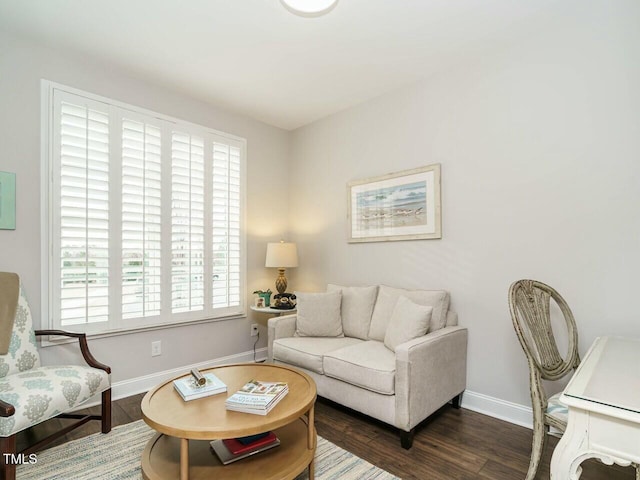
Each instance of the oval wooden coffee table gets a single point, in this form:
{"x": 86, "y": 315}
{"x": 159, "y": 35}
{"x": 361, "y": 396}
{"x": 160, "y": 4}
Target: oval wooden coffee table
{"x": 180, "y": 449}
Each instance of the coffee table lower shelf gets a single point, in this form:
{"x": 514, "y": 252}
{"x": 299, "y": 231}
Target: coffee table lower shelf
{"x": 161, "y": 458}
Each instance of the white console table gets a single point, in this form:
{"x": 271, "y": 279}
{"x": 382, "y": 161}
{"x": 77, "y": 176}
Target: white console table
{"x": 604, "y": 409}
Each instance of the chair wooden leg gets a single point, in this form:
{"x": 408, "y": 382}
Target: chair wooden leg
{"x": 8, "y": 446}
{"x": 455, "y": 401}
{"x": 106, "y": 411}
{"x": 537, "y": 448}
{"x": 406, "y": 438}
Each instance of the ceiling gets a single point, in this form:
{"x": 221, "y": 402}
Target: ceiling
{"x": 256, "y": 58}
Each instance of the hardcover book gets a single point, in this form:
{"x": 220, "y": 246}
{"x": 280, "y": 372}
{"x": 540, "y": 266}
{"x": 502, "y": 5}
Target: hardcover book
{"x": 188, "y": 388}
{"x": 236, "y": 447}
{"x": 220, "y": 449}
{"x": 252, "y": 438}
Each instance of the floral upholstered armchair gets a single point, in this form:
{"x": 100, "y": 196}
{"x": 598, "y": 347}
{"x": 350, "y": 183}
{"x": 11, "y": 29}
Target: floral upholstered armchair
{"x": 31, "y": 393}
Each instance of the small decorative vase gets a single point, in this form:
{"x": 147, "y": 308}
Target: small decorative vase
{"x": 267, "y": 298}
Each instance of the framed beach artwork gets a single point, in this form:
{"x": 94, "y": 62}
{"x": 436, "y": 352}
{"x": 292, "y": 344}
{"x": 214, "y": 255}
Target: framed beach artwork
{"x": 7, "y": 201}
{"x": 399, "y": 206}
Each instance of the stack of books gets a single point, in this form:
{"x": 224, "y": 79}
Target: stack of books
{"x": 257, "y": 397}
{"x": 190, "y": 389}
{"x": 232, "y": 449}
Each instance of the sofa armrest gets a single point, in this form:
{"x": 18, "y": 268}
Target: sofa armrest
{"x": 430, "y": 371}
{"x": 279, "y": 327}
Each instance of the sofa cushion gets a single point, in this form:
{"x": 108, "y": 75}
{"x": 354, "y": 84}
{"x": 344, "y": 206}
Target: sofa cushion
{"x": 557, "y": 409}
{"x": 386, "y": 302}
{"x": 408, "y": 321}
{"x": 307, "y": 352}
{"x": 356, "y": 309}
{"x": 319, "y": 314}
{"x": 369, "y": 365}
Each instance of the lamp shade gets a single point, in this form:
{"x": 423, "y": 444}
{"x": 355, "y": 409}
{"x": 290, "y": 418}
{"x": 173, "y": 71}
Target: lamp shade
{"x": 281, "y": 255}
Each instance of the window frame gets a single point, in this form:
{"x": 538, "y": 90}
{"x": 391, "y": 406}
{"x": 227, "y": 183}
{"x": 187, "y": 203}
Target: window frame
{"x": 117, "y": 325}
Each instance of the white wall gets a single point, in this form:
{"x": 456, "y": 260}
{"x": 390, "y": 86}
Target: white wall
{"x": 22, "y": 64}
{"x": 540, "y": 153}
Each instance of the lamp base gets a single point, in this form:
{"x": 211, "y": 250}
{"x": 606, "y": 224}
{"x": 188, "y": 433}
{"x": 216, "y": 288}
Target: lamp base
{"x": 281, "y": 281}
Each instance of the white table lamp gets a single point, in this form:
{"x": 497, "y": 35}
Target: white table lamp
{"x": 281, "y": 255}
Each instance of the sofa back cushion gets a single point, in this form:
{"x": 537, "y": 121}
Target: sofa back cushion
{"x": 319, "y": 314}
{"x": 356, "y": 309}
{"x": 386, "y": 302}
{"x": 408, "y": 321}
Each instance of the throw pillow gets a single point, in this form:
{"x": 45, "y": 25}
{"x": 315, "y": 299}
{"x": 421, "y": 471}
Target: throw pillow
{"x": 408, "y": 321}
{"x": 356, "y": 309}
{"x": 386, "y": 302}
{"x": 319, "y": 314}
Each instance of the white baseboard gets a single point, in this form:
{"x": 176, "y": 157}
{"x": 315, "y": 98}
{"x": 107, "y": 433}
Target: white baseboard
{"x": 134, "y": 386}
{"x": 477, "y": 402}
{"x": 497, "y": 408}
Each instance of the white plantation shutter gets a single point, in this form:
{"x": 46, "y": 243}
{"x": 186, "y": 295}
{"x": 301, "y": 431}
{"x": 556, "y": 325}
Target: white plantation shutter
{"x": 187, "y": 223}
{"x": 226, "y": 225}
{"x": 145, "y": 217}
{"x": 83, "y": 227}
{"x": 141, "y": 219}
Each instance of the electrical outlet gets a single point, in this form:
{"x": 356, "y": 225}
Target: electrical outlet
{"x": 254, "y": 329}
{"x": 156, "y": 348}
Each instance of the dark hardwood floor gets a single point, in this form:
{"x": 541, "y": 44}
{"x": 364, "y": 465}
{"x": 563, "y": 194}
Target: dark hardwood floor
{"x": 452, "y": 444}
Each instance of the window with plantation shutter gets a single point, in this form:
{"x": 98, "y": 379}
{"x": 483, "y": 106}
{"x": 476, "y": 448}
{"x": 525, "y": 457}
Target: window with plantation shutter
{"x": 187, "y": 223}
{"x": 82, "y": 247}
{"x": 141, "y": 219}
{"x": 145, "y": 222}
{"x": 226, "y": 225}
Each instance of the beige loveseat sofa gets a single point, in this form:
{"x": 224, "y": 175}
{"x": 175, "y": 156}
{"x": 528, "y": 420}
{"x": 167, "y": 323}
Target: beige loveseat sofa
{"x": 379, "y": 360}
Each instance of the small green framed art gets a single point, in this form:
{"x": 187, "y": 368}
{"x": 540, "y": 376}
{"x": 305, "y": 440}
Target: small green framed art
{"x": 7, "y": 201}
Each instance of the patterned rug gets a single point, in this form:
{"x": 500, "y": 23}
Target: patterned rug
{"x": 117, "y": 456}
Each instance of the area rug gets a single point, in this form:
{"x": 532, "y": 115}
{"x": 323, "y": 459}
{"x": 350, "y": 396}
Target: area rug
{"x": 116, "y": 456}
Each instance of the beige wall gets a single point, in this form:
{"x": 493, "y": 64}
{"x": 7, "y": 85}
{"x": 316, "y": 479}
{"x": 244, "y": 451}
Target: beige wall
{"x": 540, "y": 153}
{"x": 22, "y": 65}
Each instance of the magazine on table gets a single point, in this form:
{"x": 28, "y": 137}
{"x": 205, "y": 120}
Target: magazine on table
{"x": 257, "y": 397}
{"x": 189, "y": 389}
